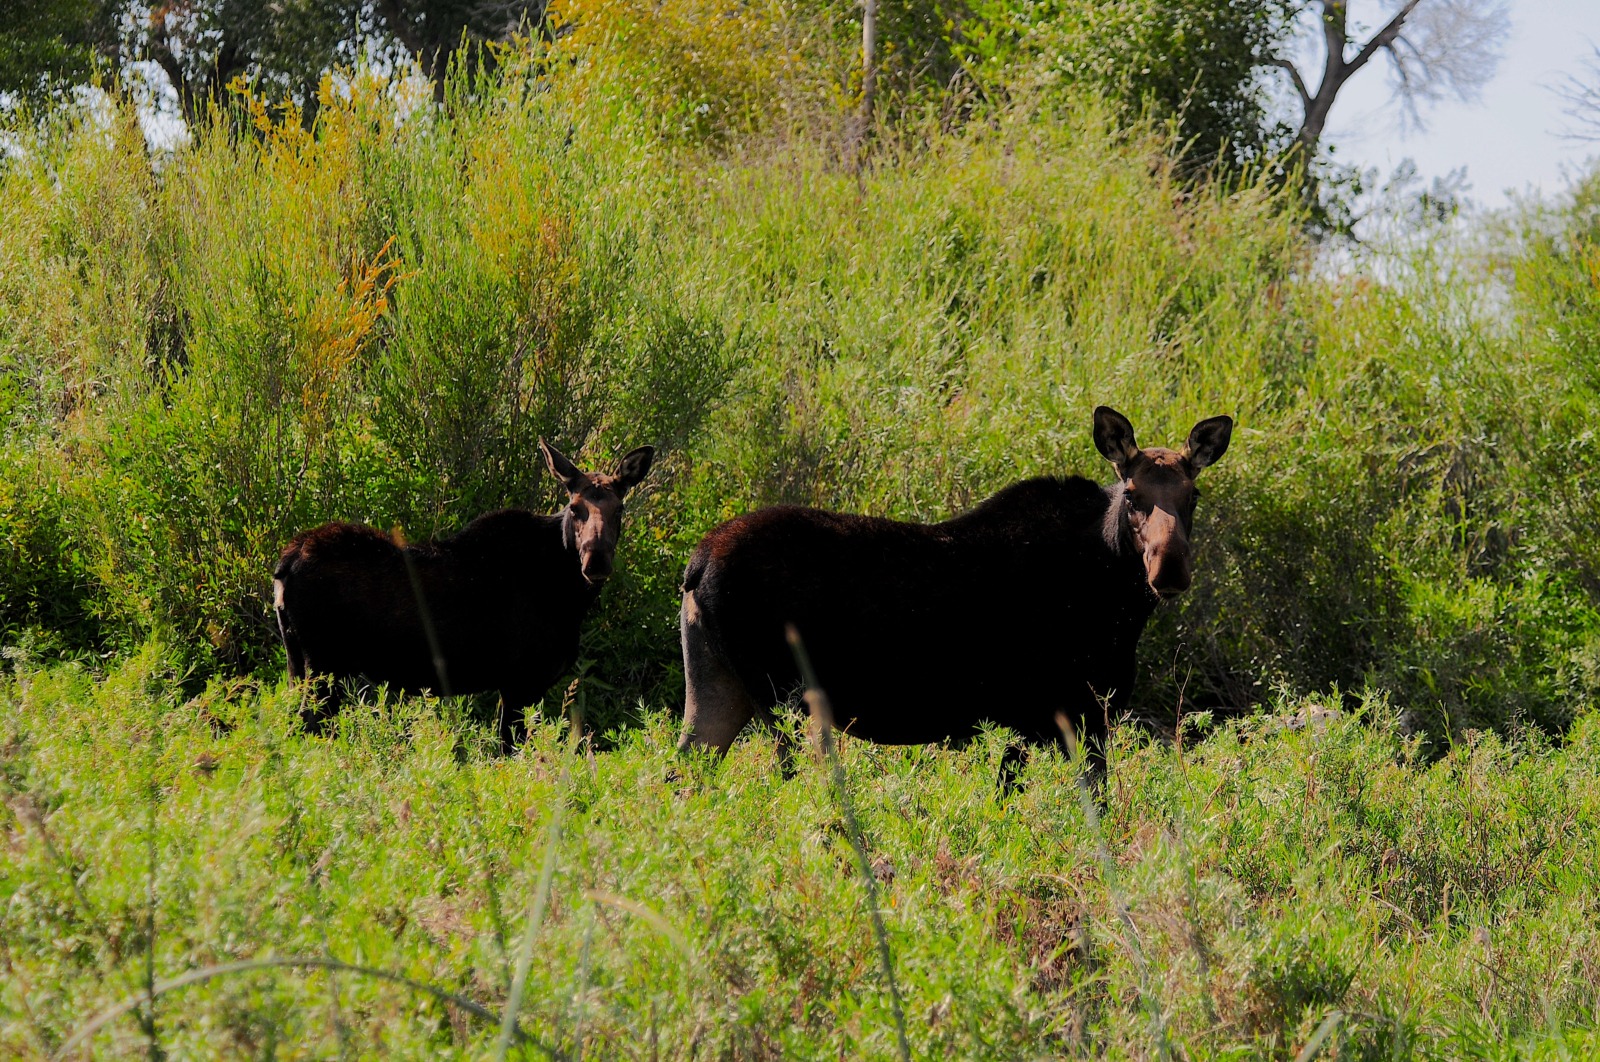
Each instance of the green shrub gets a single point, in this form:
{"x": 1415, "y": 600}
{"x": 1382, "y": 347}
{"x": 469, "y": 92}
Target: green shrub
{"x": 376, "y": 319}
{"x": 1301, "y": 868}
{"x": 44, "y": 584}
{"x": 368, "y": 326}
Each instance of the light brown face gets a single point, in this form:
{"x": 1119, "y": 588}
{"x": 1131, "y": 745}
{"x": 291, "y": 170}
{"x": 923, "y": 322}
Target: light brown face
{"x": 595, "y": 513}
{"x": 1158, "y": 493}
{"x": 592, "y": 522}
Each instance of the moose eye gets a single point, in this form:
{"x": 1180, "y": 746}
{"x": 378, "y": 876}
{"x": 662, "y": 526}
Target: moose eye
{"x": 580, "y": 515}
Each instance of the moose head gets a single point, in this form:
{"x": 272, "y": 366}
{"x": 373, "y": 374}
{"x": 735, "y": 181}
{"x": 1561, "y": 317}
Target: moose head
{"x": 1156, "y": 492}
{"x": 591, "y": 523}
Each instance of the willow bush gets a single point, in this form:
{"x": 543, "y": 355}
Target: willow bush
{"x": 375, "y": 319}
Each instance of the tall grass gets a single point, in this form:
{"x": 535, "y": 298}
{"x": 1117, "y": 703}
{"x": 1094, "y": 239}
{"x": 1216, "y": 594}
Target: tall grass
{"x": 1443, "y": 909}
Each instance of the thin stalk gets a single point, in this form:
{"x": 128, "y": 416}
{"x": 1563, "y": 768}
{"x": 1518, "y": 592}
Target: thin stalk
{"x": 1191, "y": 878}
{"x": 1108, "y": 873}
{"x": 822, "y": 712}
{"x": 152, "y": 794}
{"x": 536, "y": 906}
{"x": 340, "y": 1028}
{"x": 1201, "y": 952}
{"x": 101, "y": 1020}
{"x": 581, "y": 987}
{"x": 539, "y": 899}
{"x": 492, "y": 892}
{"x": 148, "y": 1018}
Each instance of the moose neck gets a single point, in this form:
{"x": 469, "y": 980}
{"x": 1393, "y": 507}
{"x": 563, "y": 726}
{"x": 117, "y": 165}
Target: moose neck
{"x": 1116, "y": 532}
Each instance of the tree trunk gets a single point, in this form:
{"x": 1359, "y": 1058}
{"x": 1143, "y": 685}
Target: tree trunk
{"x": 1336, "y": 69}
{"x": 862, "y": 124}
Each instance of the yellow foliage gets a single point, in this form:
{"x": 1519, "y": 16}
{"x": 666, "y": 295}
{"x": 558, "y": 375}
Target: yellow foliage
{"x": 312, "y": 177}
{"x": 698, "y": 65}
{"x": 1591, "y": 261}
{"x": 517, "y": 223}
{"x": 337, "y": 329}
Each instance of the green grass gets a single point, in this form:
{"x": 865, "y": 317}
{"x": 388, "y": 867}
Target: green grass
{"x": 1299, "y": 870}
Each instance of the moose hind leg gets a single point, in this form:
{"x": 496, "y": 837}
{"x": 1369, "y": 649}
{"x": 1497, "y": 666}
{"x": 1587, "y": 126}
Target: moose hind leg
{"x": 288, "y": 634}
{"x": 1012, "y": 761}
{"x": 716, "y": 703}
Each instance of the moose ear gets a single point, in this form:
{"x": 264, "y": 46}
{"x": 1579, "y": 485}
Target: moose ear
{"x": 1113, "y": 437}
{"x": 633, "y": 467}
{"x": 567, "y": 472}
{"x": 1208, "y": 441}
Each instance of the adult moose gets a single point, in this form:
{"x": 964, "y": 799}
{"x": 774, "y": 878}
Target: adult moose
{"x": 496, "y": 606}
{"x": 1027, "y": 606}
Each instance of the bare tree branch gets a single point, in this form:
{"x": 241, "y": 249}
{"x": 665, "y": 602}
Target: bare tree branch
{"x": 1384, "y": 38}
{"x": 1436, "y": 49}
{"x": 1581, "y": 96}
{"x": 1294, "y": 79}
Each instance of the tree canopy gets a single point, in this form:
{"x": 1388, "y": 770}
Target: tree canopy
{"x": 1234, "y": 78}
{"x": 49, "y": 46}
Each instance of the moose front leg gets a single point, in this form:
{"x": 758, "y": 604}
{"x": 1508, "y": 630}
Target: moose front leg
{"x": 1087, "y": 722}
{"x": 322, "y": 696}
{"x": 514, "y": 705}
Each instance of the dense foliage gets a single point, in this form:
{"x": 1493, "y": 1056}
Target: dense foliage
{"x": 1373, "y": 837}
{"x": 375, "y": 319}
{"x": 49, "y": 47}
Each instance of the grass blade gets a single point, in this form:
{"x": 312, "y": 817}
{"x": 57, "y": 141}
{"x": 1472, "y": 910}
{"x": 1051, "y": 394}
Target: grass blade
{"x": 193, "y": 977}
{"x": 822, "y": 711}
{"x": 541, "y": 895}
{"x": 1108, "y": 873}
{"x": 536, "y": 906}
{"x": 1323, "y": 1031}
{"x": 656, "y": 920}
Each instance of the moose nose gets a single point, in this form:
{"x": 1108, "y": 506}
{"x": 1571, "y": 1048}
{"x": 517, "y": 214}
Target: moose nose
{"x": 596, "y": 571}
{"x": 1169, "y": 578}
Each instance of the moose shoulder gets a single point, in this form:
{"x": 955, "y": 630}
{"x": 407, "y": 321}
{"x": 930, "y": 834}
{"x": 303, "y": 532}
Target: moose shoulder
{"x": 1029, "y": 605}
{"x": 497, "y": 606}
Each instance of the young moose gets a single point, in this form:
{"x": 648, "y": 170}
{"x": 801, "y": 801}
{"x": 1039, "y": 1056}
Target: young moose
{"x": 1028, "y": 606}
{"x": 497, "y": 606}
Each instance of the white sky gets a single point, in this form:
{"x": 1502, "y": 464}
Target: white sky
{"x": 1507, "y": 141}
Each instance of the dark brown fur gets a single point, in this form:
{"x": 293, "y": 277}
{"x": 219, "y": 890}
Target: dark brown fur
{"x": 1029, "y": 605}
{"x": 497, "y": 606}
